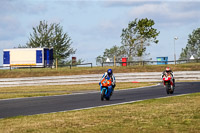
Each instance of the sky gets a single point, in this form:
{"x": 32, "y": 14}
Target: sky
{"x": 94, "y": 25}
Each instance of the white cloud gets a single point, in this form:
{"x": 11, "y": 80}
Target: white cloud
{"x": 14, "y": 16}
{"x": 127, "y": 3}
{"x": 170, "y": 13}
{"x": 107, "y": 25}
{"x": 10, "y": 28}
{"x": 150, "y": 9}
{"x": 188, "y": 5}
{"x": 8, "y": 44}
{"x": 22, "y": 6}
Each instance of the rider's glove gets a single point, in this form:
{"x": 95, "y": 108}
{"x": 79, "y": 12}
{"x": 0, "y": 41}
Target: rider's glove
{"x": 99, "y": 83}
{"x": 113, "y": 83}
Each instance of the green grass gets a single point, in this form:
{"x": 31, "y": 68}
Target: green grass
{"x": 178, "y": 114}
{"x": 34, "y": 91}
{"x": 37, "y": 72}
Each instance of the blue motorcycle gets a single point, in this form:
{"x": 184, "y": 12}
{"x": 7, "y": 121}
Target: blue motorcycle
{"x": 106, "y": 88}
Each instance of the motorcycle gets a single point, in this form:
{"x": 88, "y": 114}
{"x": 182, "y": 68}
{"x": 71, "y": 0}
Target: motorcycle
{"x": 167, "y": 81}
{"x": 106, "y": 91}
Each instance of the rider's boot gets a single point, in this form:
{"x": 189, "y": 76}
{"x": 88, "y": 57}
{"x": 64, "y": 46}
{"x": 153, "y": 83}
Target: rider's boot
{"x": 112, "y": 92}
{"x": 174, "y": 83}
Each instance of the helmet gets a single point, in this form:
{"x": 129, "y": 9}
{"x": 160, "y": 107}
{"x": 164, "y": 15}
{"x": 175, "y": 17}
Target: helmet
{"x": 168, "y": 69}
{"x": 109, "y": 72}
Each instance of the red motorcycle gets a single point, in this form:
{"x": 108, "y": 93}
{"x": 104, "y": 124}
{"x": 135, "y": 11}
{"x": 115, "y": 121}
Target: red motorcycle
{"x": 167, "y": 81}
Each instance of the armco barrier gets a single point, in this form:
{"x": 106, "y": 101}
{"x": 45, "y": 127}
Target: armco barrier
{"x": 143, "y": 63}
{"x": 42, "y": 66}
{"x": 95, "y": 78}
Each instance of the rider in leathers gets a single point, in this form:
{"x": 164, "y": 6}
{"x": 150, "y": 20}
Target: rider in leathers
{"x": 109, "y": 74}
{"x": 168, "y": 71}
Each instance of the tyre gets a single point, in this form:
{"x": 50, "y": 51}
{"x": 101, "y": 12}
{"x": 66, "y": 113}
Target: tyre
{"x": 167, "y": 89}
{"x": 103, "y": 94}
{"x": 107, "y": 98}
{"x": 172, "y": 90}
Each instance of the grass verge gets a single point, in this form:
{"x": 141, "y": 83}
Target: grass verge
{"x": 33, "y": 91}
{"x": 166, "y": 115}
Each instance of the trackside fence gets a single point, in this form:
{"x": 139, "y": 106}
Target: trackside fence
{"x": 42, "y": 66}
{"x": 142, "y": 63}
{"x": 76, "y": 65}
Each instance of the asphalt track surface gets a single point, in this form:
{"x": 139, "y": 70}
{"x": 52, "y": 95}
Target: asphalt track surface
{"x": 49, "y": 104}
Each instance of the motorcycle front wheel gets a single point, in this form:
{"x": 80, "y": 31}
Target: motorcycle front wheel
{"x": 167, "y": 89}
{"x": 107, "y": 98}
{"x": 172, "y": 89}
{"x": 103, "y": 94}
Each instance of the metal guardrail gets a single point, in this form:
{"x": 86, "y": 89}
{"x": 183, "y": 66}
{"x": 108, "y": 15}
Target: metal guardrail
{"x": 42, "y": 66}
{"x": 76, "y": 65}
{"x": 131, "y": 63}
{"x": 25, "y": 66}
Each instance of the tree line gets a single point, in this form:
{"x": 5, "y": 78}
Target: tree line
{"x": 193, "y": 46}
{"x": 135, "y": 39}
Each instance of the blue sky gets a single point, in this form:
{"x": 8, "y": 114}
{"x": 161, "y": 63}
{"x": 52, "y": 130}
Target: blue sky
{"x": 95, "y": 25}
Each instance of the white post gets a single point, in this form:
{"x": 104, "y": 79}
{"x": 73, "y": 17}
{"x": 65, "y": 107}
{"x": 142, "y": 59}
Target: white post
{"x": 175, "y": 38}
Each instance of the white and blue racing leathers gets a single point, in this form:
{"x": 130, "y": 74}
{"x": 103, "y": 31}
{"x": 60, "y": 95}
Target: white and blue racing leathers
{"x": 112, "y": 79}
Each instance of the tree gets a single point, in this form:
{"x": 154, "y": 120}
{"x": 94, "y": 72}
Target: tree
{"x": 100, "y": 60}
{"x": 192, "y": 47}
{"x": 52, "y": 36}
{"x": 110, "y": 53}
{"x": 138, "y": 35}
{"x": 115, "y": 51}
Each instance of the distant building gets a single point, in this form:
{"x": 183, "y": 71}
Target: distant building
{"x": 23, "y": 57}
{"x": 192, "y": 57}
{"x": 162, "y": 60}
{"x": 107, "y": 60}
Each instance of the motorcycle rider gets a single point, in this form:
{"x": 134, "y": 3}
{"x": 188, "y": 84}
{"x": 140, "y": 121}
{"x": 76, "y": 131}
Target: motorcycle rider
{"x": 109, "y": 74}
{"x": 167, "y": 72}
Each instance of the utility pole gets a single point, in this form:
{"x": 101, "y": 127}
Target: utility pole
{"x": 114, "y": 61}
{"x": 175, "y": 38}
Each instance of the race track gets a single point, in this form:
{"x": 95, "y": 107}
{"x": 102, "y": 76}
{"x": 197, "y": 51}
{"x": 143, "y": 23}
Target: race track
{"x": 39, "y": 105}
